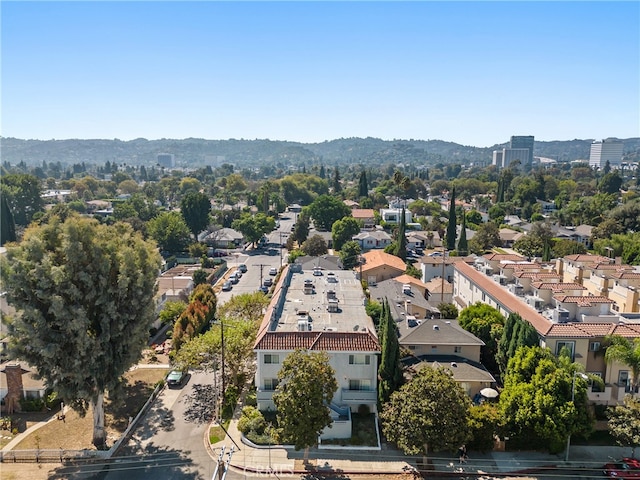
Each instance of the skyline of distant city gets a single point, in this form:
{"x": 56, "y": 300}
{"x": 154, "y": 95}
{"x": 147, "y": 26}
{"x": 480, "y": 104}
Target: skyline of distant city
{"x": 472, "y": 73}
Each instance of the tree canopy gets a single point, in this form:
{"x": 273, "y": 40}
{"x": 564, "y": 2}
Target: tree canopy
{"x": 327, "y": 209}
{"x": 624, "y": 423}
{"x": 350, "y": 254}
{"x": 516, "y": 333}
{"x": 253, "y": 227}
{"x": 486, "y": 323}
{"x": 195, "y": 208}
{"x": 536, "y": 401}
{"x": 305, "y": 389}
{"x": 170, "y": 231}
{"x": 342, "y": 231}
{"x": 314, "y": 246}
{"x": 95, "y": 287}
{"x": 430, "y": 411}
{"x": 626, "y": 351}
{"x": 390, "y": 369}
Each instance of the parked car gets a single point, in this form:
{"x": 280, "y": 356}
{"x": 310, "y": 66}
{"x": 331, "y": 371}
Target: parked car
{"x": 176, "y": 378}
{"x": 624, "y": 469}
{"x": 264, "y": 289}
{"x": 273, "y": 271}
{"x": 234, "y": 279}
{"x": 331, "y": 278}
{"x": 242, "y": 268}
{"x": 227, "y": 286}
{"x": 317, "y": 272}
{"x": 267, "y": 282}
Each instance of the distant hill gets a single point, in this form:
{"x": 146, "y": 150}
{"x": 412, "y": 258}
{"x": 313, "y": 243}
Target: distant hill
{"x": 195, "y": 152}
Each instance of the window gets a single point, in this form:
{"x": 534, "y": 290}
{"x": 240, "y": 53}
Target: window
{"x": 359, "y": 359}
{"x": 457, "y": 349}
{"x": 434, "y": 347}
{"x": 412, "y": 347}
{"x": 271, "y": 358}
{"x": 623, "y": 379}
{"x": 570, "y": 346}
{"x": 594, "y": 346}
{"x": 594, "y": 386}
{"x": 270, "y": 384}
{"x": 359, "y": 384}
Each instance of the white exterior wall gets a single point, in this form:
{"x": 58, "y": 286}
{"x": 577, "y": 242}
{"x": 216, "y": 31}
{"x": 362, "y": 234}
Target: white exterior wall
{"x": 344, "y": 373}
{"x": 603, "y": 151}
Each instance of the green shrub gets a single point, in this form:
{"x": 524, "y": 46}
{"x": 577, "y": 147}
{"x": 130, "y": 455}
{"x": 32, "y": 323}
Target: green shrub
{"x": 32, "y": 404}
{"x": 251, "y": 420}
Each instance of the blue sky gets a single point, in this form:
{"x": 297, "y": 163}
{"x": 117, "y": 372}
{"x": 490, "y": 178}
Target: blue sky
{"x": 474, "y": 73}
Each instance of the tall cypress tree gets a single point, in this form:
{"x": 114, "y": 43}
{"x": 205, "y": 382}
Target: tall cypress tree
{"x": 363, "y": 187}
{"x": 390, "y": 371}
{"x": 337, "y": 186}
{"x": 401, "y": 241}
{"x": 451, "y": 227}
{"x": 463, "y": 248}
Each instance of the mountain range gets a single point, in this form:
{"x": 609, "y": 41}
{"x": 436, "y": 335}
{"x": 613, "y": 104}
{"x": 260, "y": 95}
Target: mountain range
{"x": 196, "y": 152}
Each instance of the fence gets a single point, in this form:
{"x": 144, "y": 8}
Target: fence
{"x": 49, "y": 456}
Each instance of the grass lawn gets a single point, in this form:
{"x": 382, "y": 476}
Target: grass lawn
{"x": 217, "y": 434}
{"x": 75, "y": 432}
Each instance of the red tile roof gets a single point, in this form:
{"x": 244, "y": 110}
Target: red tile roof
{"x": 504, "y": 256}
{"x": 557, "y": 286}
{"x": 625, "y": 275}
{"x": 541, "y": 275}
{"x": 378, "y": 258}
{"x": 582, "y": 300}
{"x": 320, "y": 341}
{"x": 509, "y": 301}
{"x": 362, "y": 213}
{"x": 587, "y": 258}
{"x": 591, "y": 330}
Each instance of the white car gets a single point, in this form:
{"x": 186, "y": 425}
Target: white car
{"x": 273, "y": 271}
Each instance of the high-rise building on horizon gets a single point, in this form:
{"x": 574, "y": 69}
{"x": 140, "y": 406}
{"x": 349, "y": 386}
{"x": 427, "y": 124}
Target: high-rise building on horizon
{"x": 520, "y": 148}
{"x": 166, "y": 160}
{"x": 606, "y": 150}
{"x": 519, "y": 142}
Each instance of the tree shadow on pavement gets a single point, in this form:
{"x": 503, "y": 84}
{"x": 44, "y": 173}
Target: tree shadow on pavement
{"x": 156, "y": 419}
{"x": 200, "y": 404}
{"x": 152, "y": 462}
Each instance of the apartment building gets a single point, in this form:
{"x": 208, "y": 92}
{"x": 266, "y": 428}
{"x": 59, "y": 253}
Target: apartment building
{"x": 321, "y": 313}
{"x": 564, "y": 314}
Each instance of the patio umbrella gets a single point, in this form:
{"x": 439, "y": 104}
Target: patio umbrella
{"x": 489, "y": 393}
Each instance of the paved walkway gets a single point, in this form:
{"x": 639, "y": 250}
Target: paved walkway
{"x": 250, "y": 459}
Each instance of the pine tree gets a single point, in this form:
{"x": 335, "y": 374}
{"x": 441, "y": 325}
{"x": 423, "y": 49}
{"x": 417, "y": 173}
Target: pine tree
{"x": 322, "y": 173}
{"x": 463, "y": 247}
{"x": 401, "y": 241}
{"x": 451, "y": 227}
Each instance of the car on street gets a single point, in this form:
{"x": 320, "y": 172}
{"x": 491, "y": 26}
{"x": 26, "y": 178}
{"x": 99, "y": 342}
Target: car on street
{"x": 227, "y": 286}
{"x": 176, "y": 378}
{"x": 234, "y": 279}
{"x": 273, "y": 271}
{"x": 331, "y": 278}
{"x": 267, "y": 282}
{"x": 264, "y": 289}
{"x": 242, "y": 268}
{"x": 624, "y": 469}
{"x": 317, "y": 272}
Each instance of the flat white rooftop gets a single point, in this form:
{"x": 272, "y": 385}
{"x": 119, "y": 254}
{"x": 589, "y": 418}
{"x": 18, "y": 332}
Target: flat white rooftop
{"x": 313, "y": 303}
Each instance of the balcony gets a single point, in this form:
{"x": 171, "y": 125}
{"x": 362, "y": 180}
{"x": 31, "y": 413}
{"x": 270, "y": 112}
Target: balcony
{"x": 600, "y": 397}
{"x": 359, "y": 396}
{"x": 264, "y": 395}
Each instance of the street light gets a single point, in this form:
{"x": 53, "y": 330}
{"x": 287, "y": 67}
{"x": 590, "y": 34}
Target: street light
{"x": 573, "y": 397}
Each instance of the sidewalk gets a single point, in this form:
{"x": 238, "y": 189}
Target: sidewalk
{"x": 250, "y": 459}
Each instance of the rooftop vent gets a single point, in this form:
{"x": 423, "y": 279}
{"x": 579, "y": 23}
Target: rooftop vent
{"x": 454, "y": 364}
{"x": 436, "y": 327}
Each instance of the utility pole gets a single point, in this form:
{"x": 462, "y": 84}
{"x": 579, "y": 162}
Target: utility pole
{"x": 261, "y": 265}
{"x": 222, "y": 374}
{"x": 444, "y": 257}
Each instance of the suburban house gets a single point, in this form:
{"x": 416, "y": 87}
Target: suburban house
{"x": 441, "y": 265}
{"x": 423, "y": 240}
{"x": 443, "y": 343}
{"x": 392, "y": 215}
{"x": 366, "y": 216}
{"x": 373, "y": 239}
{"x": 508, "y": 237}
{"x": 406, "y": 300}
{"x": 321, "y": 313}
{"x": 18, "y": 381}
{"x": 224, "y": 238}
{"x": 351, "y": 204}
{"x": 575, "y": 320}
{"x": 439, "y": 291}
{"x": 379, "y": 266}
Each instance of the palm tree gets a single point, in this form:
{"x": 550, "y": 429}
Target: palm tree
{"x": 627, "y": 352}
